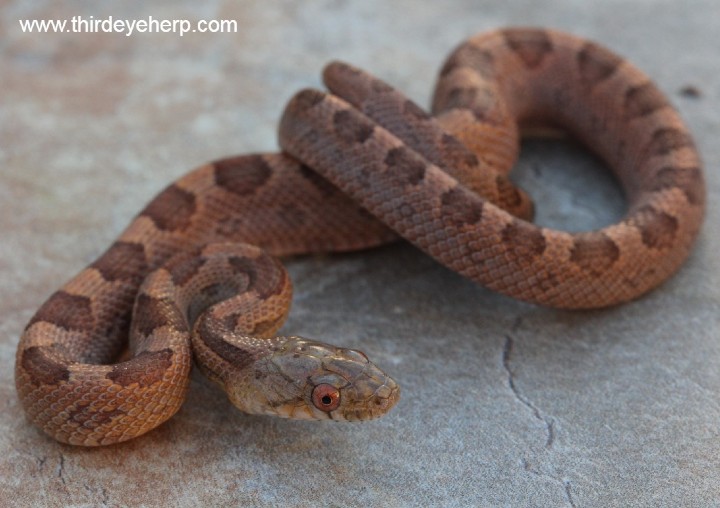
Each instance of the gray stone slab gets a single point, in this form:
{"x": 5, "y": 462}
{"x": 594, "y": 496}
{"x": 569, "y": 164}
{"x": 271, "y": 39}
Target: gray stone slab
{"x": 504, "y": 404}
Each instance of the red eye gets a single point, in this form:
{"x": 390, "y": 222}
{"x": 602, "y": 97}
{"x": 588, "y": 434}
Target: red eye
{"x": 326, "y": 397}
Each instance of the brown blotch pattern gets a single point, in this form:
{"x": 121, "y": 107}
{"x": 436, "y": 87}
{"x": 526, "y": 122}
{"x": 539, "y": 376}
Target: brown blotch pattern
{"x": 413, "y": 110}
{"x": 482, "y": 102}
{"x": 230, "y": 321}
{"x": 352, "y": 128}
{"x": 185, "y": 270}
{"x": 210, "y": 295}
{"x": 643, "y": 100}
{"x": 594, "y": 252}
{"x": 532, "y": 46}
{"x": 657, "y": 228}
{"x": 689, "y": 180}
{"x": 509, "y": 194}
{"x": 262, "y": 328}
{"x": 273, "y": 285}
{"x": 407, "y": 166}
{"x": 292, "y": 215}
{"x": 261, "y": 273}
{"x": 213, "y": 339}
{"x": 152, "y": 313}
{"x": 341, "y": 67}
{"x": 85, "y": 417}
{"x": 460, "y": 98}
{"x": 524, "y": 239}
{"x": 70, "y": 312}
{"x": 482, "y": 111}
{"x": 455, "y": 150}
{"x": 321, "y": 184}
{"x": 596, "y": 64}
{"x": 380, "y": 86}
{"x": 146, "y": 369}
{"x": 172, "y": 209}
{"x": 306, "y": 99}
{"x": 459, "y": 208}
{"x": 111, "y": 330}
{"x": 473, "y": 57}
{"x": 245, "y": 266}
{"x": 41, "y": 368}
{"x": 667, "y": 140}
{"x": 123, "y": 261}
{"x": 243, "y": 175}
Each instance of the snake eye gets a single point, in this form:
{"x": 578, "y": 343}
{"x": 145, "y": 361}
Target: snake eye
{"x": 326, "y": 397}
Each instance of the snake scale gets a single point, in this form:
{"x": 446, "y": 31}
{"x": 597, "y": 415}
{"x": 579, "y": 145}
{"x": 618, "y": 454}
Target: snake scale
{"x": 361, "y": 165}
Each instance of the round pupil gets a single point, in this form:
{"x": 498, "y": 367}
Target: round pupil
{"x": 326, "y": 400}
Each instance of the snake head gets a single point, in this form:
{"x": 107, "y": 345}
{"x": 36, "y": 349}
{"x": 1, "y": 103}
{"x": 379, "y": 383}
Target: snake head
{"x": 309, "y": 380}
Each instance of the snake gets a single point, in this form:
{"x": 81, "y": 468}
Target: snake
{"x": 195, "y": 276}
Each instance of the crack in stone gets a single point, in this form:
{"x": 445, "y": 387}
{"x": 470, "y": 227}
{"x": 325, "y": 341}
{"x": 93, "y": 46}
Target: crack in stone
{"x": 548, "y": 422}
{"x": 61, "y": 468}
{"x": 104, "y": 496}
{"x": 568, "y": 494}
{"x": 40, "y": 461}
{"x": 564, "y": 482}
{"x": 537, "y": 414}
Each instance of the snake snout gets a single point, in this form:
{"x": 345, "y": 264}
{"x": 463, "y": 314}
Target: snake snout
{"x": 369, "y": 392}
{"x": 378, "y": 404}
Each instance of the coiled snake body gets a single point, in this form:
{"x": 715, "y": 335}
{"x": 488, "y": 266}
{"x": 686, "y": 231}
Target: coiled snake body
{"x": 438, "y": 182}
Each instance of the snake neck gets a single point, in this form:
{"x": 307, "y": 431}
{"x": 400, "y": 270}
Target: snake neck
{"x": 224, "y": 353}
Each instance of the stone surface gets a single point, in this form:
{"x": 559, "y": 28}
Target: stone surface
{"x": 504, "y": 404}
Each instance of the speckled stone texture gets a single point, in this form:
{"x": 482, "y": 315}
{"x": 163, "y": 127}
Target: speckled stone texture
{"x": 504, "y": 404}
